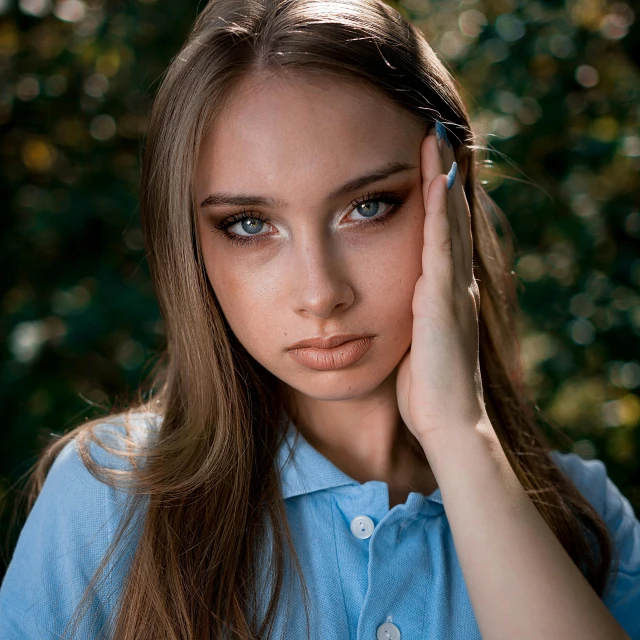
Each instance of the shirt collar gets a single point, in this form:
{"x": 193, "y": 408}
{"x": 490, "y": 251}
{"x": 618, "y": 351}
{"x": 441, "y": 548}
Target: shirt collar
{"x": 303, "y": 469}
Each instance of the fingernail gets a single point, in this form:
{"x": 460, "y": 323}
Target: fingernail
{"x": 451, "y": 176}
{"x": 440, "y": 133}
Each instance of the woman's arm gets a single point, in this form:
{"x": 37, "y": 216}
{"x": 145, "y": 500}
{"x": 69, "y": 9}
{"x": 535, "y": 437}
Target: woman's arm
{"x": 521, "y": 582}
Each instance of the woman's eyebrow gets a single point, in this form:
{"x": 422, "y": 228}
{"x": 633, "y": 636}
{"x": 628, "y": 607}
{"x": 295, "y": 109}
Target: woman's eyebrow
{"x": 247, "y": 200}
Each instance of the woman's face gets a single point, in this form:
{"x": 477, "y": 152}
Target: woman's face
{"x": 310, "y": 261}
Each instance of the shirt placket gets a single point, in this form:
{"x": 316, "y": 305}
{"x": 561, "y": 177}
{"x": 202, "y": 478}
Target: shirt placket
{"x": 383, "y": 571}
{"x": 399, "y": 573}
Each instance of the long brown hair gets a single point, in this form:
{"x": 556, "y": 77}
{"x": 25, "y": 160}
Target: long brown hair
{"x": 208, "y": 493}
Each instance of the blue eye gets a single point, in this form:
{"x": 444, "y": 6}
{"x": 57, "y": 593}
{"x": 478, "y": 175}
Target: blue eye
{"x": 372, "y": 205}
{"x": 254, "y": 227}
{"x": 252, "y": 223}
{"x": 369, "y": 206}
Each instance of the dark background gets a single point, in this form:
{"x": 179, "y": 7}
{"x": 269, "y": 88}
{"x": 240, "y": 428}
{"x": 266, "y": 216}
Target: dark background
{"x": 554, "y": 90}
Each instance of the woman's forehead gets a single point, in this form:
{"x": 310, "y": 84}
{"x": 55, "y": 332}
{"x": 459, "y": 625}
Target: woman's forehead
{"x": 286, "y": 125}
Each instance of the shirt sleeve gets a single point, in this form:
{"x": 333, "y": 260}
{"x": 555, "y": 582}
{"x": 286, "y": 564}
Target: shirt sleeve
{"x": 62, "y": 543}
{"x": 590, "y": 478}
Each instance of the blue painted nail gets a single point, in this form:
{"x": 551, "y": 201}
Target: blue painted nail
{"x": 441, "y": 133}
{"x": 451, "y": 176}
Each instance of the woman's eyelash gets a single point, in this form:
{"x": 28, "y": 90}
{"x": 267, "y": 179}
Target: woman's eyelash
{"x": 384, "y": 197}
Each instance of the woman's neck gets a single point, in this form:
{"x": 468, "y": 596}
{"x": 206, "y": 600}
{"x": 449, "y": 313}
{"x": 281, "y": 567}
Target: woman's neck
{"x": 366, "y": 439}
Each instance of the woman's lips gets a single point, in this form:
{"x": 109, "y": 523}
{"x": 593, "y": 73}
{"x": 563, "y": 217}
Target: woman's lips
{"x": 344, "y": 355}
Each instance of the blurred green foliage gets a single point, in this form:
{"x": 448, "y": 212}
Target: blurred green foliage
{"x": 554, "y": 92}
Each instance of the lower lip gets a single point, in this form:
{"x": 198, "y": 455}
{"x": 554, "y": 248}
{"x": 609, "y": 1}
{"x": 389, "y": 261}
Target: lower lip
{"x": 344, "y": 355}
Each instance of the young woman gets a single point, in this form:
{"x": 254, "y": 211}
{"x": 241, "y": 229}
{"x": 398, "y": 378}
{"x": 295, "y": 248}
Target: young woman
{"x": 340, "y": 445}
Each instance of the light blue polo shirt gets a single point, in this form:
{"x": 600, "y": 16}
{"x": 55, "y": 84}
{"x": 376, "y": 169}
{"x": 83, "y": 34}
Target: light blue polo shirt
{"x": 372, "y": 573}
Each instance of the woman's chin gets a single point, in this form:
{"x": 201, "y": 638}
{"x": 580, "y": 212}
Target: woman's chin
{"x": 341, "y": 384}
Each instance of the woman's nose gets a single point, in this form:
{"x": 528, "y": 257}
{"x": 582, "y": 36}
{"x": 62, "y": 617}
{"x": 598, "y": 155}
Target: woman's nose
{"x": 321, "y": 281}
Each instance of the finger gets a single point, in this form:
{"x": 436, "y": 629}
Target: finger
{"x": 463, "y": 211}
{"x": 430, "y": 167}
{"x": 430, "y": 160}
{"x": 461, "y": 221}
{"x": 437, "y": 257}
{"x": 457, "y": 247}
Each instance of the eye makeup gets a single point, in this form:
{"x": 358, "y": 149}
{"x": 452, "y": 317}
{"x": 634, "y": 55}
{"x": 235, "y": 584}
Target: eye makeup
{"x": 394, "y": 200}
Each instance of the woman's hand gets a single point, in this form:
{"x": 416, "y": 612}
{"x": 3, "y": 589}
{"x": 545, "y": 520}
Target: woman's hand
{"x": 439, "y": 386}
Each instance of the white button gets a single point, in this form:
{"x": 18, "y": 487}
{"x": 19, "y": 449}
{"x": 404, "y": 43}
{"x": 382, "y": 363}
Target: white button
{"x": 388, "y": 631}
{"x": 362, "y": 527}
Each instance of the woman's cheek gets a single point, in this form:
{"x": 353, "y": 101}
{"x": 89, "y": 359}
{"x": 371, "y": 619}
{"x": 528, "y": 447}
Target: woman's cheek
{"x": 400, "y": 265}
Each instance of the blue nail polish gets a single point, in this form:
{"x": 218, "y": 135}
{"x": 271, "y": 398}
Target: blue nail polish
{"x": 451, "y": 176}
{"x": 441, "y": 132}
